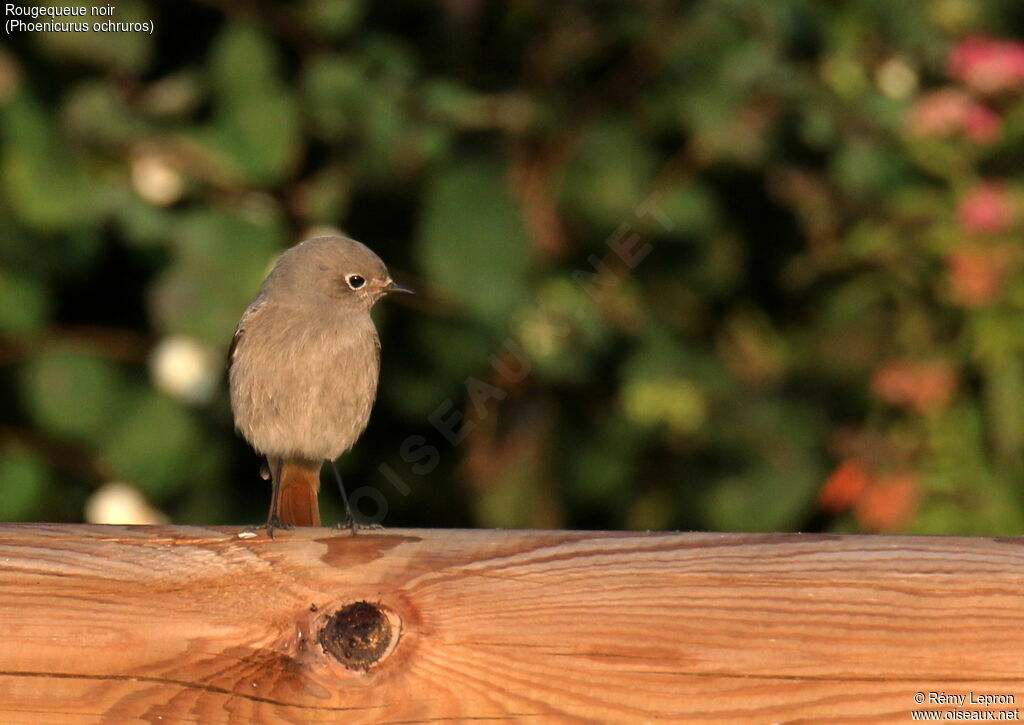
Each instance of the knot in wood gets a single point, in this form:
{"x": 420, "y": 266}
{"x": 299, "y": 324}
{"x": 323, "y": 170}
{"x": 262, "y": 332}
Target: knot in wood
{"x": 357, "y": 635}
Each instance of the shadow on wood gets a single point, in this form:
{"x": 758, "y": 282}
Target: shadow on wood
{"x": 106, "y": 624}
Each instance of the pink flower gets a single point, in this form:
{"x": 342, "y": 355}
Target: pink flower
{"x": 987, "y": 65}
{"x": 982, "y": 124}
{"x": 919, "y": 386}
{"x": 950, "y": 111}
{"x": 985, "y": 210}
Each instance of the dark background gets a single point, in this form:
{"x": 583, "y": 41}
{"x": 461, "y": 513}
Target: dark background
{"x": 804, "y": 218}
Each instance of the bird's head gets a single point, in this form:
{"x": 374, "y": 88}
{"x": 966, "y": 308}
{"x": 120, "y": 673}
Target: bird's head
{"x": 335, "y": 270}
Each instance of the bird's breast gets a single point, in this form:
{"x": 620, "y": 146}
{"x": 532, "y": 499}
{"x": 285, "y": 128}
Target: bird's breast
{"x": 305, "y": 384}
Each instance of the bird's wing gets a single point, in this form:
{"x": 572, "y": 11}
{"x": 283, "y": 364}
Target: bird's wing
{"x": 247, "y": 317}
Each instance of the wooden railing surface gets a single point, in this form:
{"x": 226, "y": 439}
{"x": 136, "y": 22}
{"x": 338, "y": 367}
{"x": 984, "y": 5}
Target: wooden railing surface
{"x": 105, "y": 624}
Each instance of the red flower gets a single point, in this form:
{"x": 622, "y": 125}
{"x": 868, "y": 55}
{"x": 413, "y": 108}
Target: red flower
{"x": 987, "y": 65}
{"x": 844, "y": 486}
{"x": 985, "y": 209}
{"x": 977, "y": 274}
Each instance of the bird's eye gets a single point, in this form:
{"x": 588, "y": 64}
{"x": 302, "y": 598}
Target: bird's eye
{"x": 355, "y": 281}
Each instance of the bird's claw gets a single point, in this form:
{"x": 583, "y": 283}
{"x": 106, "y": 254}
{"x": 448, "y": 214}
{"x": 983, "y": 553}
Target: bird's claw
{"x": 354, "y": 526}
{"x": 275, "y": 523}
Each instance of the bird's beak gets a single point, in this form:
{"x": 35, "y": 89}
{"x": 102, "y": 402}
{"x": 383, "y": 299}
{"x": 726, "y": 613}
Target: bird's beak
{"x": 392, "y": 287}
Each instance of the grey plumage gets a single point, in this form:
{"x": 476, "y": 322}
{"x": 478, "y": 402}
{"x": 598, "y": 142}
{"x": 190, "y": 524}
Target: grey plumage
{"x": 305, "y": 358}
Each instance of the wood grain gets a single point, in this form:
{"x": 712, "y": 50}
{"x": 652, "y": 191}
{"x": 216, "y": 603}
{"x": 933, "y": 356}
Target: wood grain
{"x": 102, "y": 624}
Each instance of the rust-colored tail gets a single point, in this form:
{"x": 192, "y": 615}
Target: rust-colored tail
{"x": 296, "y": 486}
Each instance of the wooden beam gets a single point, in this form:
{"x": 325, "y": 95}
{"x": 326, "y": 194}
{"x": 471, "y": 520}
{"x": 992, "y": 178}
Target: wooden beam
{"x": 107, "y": 624}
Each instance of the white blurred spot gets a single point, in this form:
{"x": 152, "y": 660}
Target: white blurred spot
{"x": 185, "y": 368}
{"x": 155, "y": 178}
{"x": 119, "y": 503}
{"x": 246, "y": 534}
{"x": 896, "y": 78}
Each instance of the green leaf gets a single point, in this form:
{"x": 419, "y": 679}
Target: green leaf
{"x": 71, "y": 394}
{"x": 260, "y": 136}
{"x": 472, "y": 241}
{"x": 332, "y": 18}
{"x": 332, "y": 86}
{"x": 676, "y": 403}
{"x": 452, "y": 350}
{"x": 220, "y": 260}
{"x": 154, "y": 445}
{"x": 598, "y": 463}
{"x": 772, "y": 447}
{"x": 964, "y": 493}
{"x": 866, "y": 169}
{"x": 24, "y": 303}
{"x": 143, "y": 225}
{"x": 1004, "y": 401}
{"x": 97, "y": 112}
{"x": 23, "y": 482}
{"x": 116, "y": 50}
{"x": 46, "y": 188}
{"x": 256, "y": 132}
{"x": 243, "y": 60}
{"x": 661, "y": 387}
{"x": 609, "y": 177}
{"x": 382, "y": 128}
{"x": 761, "y": 499}
{"x": 507, "y": 502}
{"x": 563, "y": 332}
{"x": 691, "y": 208}
{"x": 323, "y": 197}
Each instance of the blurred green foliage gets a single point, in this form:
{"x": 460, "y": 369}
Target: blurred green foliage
{"x": 719, "y": 264}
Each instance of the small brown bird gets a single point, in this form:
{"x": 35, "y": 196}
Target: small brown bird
{"x": 304, "y": 364}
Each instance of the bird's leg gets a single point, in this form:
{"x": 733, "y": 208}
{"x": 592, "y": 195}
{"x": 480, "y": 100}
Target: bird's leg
{"x": 273, "y": 518}
{"x": 349, "y": 517}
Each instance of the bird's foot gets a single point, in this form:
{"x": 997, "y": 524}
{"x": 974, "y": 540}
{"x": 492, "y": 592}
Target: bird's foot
{"x": 354, "y": 526}
{"x": 274, "y": 522}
